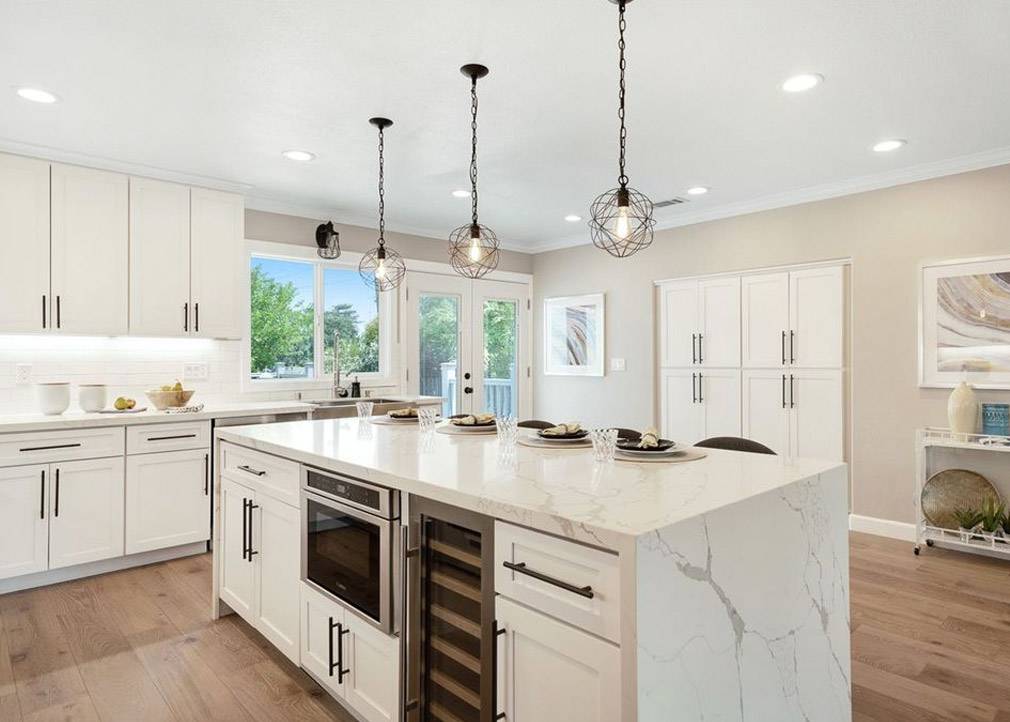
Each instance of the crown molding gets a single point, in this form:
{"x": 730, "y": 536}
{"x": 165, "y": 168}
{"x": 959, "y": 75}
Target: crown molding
{"x": 60, "y": 155}
{"x": 825, "y": 191}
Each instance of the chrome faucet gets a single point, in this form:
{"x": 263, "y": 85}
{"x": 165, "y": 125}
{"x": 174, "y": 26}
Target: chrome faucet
{"x": 338, "y": 390}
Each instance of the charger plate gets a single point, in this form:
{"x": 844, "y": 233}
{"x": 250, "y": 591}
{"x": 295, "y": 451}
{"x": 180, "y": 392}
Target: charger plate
{"x": 538, "y": 443}
{"x": 689, "y": 454}
{"x": 953, "y": 489}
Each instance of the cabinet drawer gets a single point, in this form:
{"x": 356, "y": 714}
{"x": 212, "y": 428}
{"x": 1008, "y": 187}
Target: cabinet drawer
{"x": 148, "y": 438}
{"x": 269, "y": 474}
{"x": 47, "y": 446}
{"x": 575, "y": 583}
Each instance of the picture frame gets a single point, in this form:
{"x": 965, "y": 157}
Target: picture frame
{"x": 964, "y": 323}
{"x": 574, "y": 331}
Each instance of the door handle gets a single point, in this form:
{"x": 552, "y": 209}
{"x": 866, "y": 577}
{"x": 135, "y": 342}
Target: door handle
{"x": 783, "y": 391}
{"x": 792, "y": 350}
{"x": 783, "y": 348}
{"x": 170, "y": 438}
{"x": 694, "y": 353}
{"x": 341, "y": 672}
{"x": 245, "y": 529}
{"x": 206, "y": 474}
{"x": 521, "y": 568}
{"x": 694, "y": 389}
{"x": 185, "y": 317}
{"x": 468, "y": 389}
{"x": 333, "y": 665}
{"x": 47, "y": 448}
{"x": 43, "y": 310}
{"x": 792, "y": 392}
{"x": 252, "y": 506}
{"x": 701, "y": 356}
{"x": 58, "y": 312}
{"x": 42, "y": 495}
{"x": 250, "y": 470}
{"x": 496, "y": 632}
{"x": 196, "y": 313}
{"x": 701, "y": 398}
{"x": 56, "y": 501}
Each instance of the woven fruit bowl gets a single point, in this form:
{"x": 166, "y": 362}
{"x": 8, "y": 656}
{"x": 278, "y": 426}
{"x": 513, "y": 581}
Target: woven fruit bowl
{"x": 162, "y": 400}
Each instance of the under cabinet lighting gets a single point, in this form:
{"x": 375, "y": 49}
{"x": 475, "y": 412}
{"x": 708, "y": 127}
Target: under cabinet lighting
{"x": 302, "y": 156}
{"x": 802, "y": 83}
{"x": 37, "y": 95}
{"x": 886, "y": 146}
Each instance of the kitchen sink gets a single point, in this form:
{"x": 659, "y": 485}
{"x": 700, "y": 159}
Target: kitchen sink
{"x": 345, "y": 408}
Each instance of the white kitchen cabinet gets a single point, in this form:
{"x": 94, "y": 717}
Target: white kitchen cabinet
{"x": 167, "y": 500}
{"x": 699, "y": 404}
{"x": 90, "y": 251}
{"x": 159, "y": 258}
{"x": 816, "y": 317}
{"x": 547, "y": 668}
{"x": 24, "y": 244}
{"x": 797, "y": 412}
{"x": 765, "y": 320}
{"x": 700, "y": 323}
{"x": 236, "y": 570}
{"x": 24, "y": 522}
{"x": 276, "y": 541}
{"x": 85, "y": 511}
{"x": 319, "y": 616}
{"x": 217, "y": 238}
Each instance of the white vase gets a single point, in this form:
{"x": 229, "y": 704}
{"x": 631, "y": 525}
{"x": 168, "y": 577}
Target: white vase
{"x": 962, "y": 410}
{"x": 91, "y": 397}
{"x": 54, "y": 398}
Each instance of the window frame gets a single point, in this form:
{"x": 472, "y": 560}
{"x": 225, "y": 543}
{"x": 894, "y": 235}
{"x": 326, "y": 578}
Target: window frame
{"x": 388, "y": 302}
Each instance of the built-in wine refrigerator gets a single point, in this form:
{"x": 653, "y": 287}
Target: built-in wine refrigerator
{"x": 450, "y": 650}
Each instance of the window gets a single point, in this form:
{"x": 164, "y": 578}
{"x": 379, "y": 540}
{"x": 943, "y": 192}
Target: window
{"x": 298, "y": 308}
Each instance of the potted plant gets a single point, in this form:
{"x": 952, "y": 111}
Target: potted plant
{"x": 991, "y": 517}
{"x": 967, "y": 521}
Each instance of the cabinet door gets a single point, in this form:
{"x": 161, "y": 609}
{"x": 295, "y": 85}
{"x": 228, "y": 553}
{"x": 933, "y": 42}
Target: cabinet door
{"x": 765, "y": 408}
{"x": 720, "y": 402}
{"x": 719, "y": 322}
{"x": 680, "y": 411}
{"x": 236, "y": 571}
{"x": 372, "y": 662}
{"x": 86, "y": 511}
{"x": 678, "y": 319}
{"x": 217, "y": 238}
{"x": 765, "y": 320}
{"x": 816, "y": 317}
{"x": 816, "y": 428}
{"x": 24, "y": 244}
{"x": 24, "y": 524}
{"x": 90, "y": 251}
{"x": 159, "y": 258}
{"x": 167, "y": 500}
{"x": 319, "y": 617}
{"x": 277, "y": 540}
{"x": 546, "y": 666}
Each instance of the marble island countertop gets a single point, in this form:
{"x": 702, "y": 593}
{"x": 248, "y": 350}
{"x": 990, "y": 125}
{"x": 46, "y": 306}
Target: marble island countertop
{"x": 561, "y": 491}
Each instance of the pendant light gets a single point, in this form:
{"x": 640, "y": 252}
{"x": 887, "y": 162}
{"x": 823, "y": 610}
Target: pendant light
{"x": 621, "y": 219}
{"x": 328, "y": 241}
{"x": 383, "y": 268}
{"x": 473, "y": 248}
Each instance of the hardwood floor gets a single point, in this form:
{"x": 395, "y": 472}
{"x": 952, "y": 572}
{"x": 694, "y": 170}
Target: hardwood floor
{"x": 930, "y": 642}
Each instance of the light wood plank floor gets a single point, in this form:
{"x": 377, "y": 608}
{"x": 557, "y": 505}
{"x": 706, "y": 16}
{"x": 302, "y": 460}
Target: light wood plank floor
{"x": 930, "y": 642}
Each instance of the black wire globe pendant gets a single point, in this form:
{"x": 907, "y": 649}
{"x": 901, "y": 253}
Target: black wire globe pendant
{"x": 382, "y": 267}
{"x": 474, "y": 250}
{"x": 621, "y": 221}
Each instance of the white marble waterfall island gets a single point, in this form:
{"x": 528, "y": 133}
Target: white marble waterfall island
{"x": 719, "y": 586}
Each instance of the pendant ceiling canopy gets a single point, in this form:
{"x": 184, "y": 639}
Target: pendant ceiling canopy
{"x": 382, "y": 267}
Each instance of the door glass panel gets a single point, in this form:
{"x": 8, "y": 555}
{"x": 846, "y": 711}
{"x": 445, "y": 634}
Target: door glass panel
{"x": 500, "y": 356}
{"x": 438, "y": 324}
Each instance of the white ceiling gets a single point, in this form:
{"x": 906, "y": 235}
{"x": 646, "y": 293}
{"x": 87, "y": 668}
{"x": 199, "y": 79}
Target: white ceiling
{"x": 216, "y": 89}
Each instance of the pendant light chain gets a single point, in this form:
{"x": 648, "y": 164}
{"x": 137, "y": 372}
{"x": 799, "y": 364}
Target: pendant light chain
{"x": 382, "y": 190}
{"x": 382, "y": 268}
{"x": 473, "y": 155}
{"x": 622, "y": 25}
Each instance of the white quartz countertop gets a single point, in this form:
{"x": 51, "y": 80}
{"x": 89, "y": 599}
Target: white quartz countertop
{"x": 561, "y": 491}
{"x": 10, "y": 423}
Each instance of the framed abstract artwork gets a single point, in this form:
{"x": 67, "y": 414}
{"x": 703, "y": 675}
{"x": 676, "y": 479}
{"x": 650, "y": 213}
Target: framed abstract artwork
{"x": 964, "y": 331}
{"x": 573, "y": 335}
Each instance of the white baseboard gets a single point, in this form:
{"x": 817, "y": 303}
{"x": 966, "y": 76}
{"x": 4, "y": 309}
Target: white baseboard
{"x": 882, "y": 527}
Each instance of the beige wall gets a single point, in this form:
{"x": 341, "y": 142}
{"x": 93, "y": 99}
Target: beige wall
{"x": 886, "y": 233}
{"x": 262, "y": 226}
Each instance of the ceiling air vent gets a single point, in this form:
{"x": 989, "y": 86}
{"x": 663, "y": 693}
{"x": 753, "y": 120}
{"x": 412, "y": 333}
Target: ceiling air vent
{"x": 671, "y": 202}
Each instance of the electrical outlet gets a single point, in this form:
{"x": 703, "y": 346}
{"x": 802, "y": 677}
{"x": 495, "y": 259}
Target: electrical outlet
{"x": 22, "y": 374}
{"x": 618, "y": 364}
{"x": 195, "y": 371}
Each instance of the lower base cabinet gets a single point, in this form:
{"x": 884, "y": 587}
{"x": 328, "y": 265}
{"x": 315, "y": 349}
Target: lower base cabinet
{"x": 353, "y": 660}
{"x": 167, "y": 500}
{"x": 86, "y": 511}
{"x": 548, "y": 670}
{"x": 24, "y": 523}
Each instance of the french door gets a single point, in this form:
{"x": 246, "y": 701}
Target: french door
{"x": 468, "y": 341}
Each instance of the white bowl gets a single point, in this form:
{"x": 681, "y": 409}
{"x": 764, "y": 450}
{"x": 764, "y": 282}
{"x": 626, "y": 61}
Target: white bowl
{"x": 54, "y": 398}
{"x": 91, "y": 397}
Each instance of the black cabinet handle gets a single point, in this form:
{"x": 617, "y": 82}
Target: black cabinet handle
{"x": 196, "y": 310}
{"x": 694, "y": 353}
{"x": 333, "y": 665}
{"x": 43, "y": 310}
{"x": 252, "y": 552}
{"x": 245, "y": 529}
{"x": 42, "y": 495}
{"x": 250, "y": 470}
{"x": 783, "y": 391}
{"x": 56, "y": 500}
{"x": 792, "y": 350}
{"x": 701, "y": 398}
{"x": 185, "y": 316}
{"x": 521, "y": 568}
{"x": 169, "y": 438}
{"x": 57, "y": 312}
{"x": 792, "y": 392}
{"x": 783, "y": 348}
{"x": 701, "y": 357}
{"x": 206, "y": 474}
{"x": 46, "y": 448}
{"x": 694, "y": 389}
{"x": 496, "y": 632}
{"x": 341, "y": 672}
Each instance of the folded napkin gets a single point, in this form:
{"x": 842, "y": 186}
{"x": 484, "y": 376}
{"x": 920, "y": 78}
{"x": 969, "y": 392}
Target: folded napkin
{"x": 571, "y": 427}
{"x": 649, "y": 440}
{"x": 194, "y": 409}
{"x": 473, "y": 419}
{"x": 407, "y": 413}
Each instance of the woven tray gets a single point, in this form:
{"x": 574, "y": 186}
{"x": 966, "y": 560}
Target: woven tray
{"x": 953, "y": 489}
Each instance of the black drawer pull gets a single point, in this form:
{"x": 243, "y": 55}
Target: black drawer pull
{"x": 54, "y": 446}
{"x": 250, "y": 470}
{"x": 521, "y": 568}
{"x": 169, "y": 438}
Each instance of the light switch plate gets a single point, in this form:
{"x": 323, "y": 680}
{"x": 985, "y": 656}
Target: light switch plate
{"x": 22, "y": 374}
{"x": 195, "y": 371}
{"x": 618, "y": 364}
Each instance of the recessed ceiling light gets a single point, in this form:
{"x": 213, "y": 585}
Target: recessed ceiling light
{"x": 697, "y": 191}
{"x": 886, "y": 146}
{"x": 37, "y": 95}
{"x": 461, "y": 194}
{"x": 572, "y": 218}
{"x": 802, "y": 82}
{"x": 300, "y": 155}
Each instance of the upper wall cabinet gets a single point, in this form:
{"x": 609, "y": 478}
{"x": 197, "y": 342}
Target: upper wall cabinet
{"x": 24, "y": 244}
{"x": 90, "y": 251}
{"x": 217, "y": 230}
{"x": 700, "y": 323}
